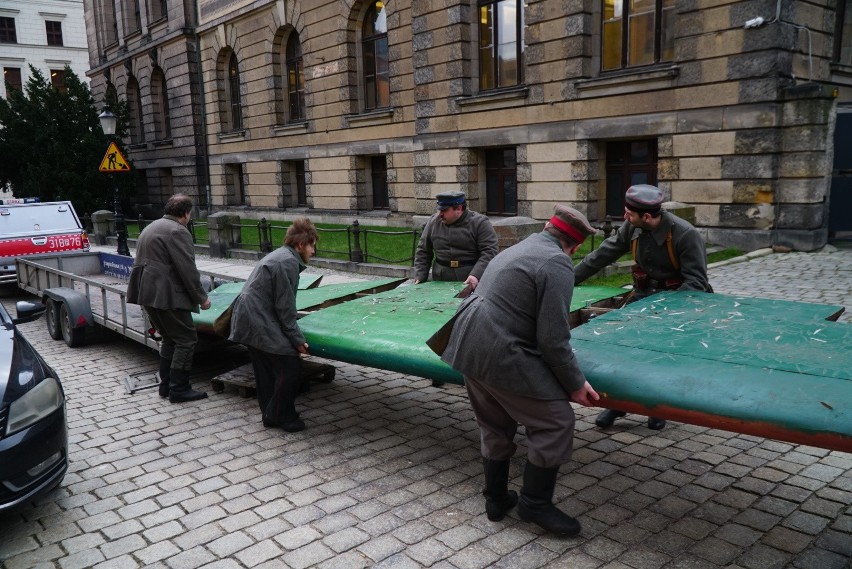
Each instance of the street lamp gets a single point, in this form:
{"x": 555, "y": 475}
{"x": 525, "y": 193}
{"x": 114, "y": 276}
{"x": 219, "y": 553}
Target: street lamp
{"x": 108, "y": 123}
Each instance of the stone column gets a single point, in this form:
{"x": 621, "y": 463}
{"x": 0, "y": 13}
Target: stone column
{"x": 103, "y": 224}
{"x": 224, "y": 232}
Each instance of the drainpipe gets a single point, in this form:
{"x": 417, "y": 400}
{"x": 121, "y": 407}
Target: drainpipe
{"x": 203, "y": 122}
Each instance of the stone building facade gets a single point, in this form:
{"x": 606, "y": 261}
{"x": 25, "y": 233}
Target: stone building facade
{"x": 349, "y": 108}
{"x": 47, "y": 34}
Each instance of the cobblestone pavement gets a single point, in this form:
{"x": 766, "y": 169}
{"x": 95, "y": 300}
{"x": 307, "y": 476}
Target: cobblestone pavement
{"x": 388, "y": 475}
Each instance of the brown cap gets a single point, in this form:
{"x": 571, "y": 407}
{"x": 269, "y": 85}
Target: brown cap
{"x": 571, "y": 222}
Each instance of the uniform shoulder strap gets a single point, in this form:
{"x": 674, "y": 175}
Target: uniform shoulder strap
{"x": 670, "y": 247}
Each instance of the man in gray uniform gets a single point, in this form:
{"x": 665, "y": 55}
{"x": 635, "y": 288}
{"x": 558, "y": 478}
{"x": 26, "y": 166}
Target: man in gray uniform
{"x": 668, "y": 253}
{"x": 456, "y": 244}
{"x": 166, "y": 283}
{"x": 511, "y": 339}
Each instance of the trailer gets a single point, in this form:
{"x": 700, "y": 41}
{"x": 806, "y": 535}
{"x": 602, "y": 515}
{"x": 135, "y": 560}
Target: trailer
{"x": 83, "y": 290}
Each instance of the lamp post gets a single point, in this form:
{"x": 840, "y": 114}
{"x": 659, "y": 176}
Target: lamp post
{"x": 108, "y": 124}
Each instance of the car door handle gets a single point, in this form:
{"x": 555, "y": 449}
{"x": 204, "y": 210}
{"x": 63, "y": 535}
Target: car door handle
{"x": 39, "y": 240}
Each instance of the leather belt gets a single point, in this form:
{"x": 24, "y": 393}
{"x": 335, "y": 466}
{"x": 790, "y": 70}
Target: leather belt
{"x": 454, "y": 264}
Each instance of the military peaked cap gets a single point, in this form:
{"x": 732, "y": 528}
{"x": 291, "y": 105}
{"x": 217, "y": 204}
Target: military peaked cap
{"x": 643, "y": 198}
{"x": 449, "y": 199}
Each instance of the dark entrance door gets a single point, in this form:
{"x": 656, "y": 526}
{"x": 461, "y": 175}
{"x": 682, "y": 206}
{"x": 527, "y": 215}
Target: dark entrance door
{"x": 628, "y": 162}
{"x": 840, "y": 203}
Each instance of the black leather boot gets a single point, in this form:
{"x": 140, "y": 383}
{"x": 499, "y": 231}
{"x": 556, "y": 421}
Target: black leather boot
{"x": 608, "y": 417}
{"x": 536, "y": 502}
{"x": 180, "y": 390}
{"x": 498, "y": 498}
{"x": 164, "y": 375}
{"x": 656, "y": 424}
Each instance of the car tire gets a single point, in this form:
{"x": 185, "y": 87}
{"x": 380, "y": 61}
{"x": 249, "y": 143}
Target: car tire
{"x": 73, "y": 336}
{"x": 54, "y": 326}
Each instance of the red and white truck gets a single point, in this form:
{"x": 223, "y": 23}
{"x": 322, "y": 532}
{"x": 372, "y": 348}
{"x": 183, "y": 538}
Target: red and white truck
{"x": 31, "y": 229}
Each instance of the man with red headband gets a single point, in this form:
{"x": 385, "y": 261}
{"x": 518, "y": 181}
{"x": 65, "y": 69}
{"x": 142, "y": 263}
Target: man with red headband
{"x": 668, "y": 254}
{"x": 511, "y": 340}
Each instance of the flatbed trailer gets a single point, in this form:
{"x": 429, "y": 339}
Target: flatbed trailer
{"x": 88, "y": 289}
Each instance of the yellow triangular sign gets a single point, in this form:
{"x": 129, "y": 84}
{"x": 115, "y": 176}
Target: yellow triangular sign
{"x": 114, "y": 160}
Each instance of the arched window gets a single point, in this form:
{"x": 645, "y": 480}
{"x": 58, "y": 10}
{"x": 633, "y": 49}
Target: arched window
{"x": 233, "y": 92}
{"x": 374, "y": 46}
{"x": 160, "y": 98}
{"x": 134, "y": 106}
{"x": 295, "y": 78}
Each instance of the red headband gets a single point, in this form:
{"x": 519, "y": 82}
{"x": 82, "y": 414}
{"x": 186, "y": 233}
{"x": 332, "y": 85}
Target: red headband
{"x": 567, "y": 229}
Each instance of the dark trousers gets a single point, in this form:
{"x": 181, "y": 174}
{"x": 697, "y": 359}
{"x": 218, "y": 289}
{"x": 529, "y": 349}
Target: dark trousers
{"x": 179, "y": 335}
{"x": 278, "y": 379}
{"x": 549, "y": 424}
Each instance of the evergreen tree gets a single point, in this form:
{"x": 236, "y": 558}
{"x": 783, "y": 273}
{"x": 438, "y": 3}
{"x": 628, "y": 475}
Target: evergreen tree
{"x": 52, "y": 144}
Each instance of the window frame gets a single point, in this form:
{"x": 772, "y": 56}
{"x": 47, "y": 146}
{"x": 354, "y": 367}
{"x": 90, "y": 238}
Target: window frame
{"x": 627, "y": 168}
{"x": 57, "y": 79}
{"x": 502, "y": 173}
{"x": 624, "y": 38}
{"x": 160, "y": 97}
{"x": 492, "y": 7}
{"x": 53, "y": 34}
{"x": 379, "y": 182}
{"x": 134, "y": 107}
{"x": 374, "y": 78}
{"x": 8, "y": 30}
{"x": 839, "y": 25}
{"x": 158, "y": 10}
{"x": 294, "y": 77}
{"x": 232, "y": 89}
{"x": 19, "y": 85}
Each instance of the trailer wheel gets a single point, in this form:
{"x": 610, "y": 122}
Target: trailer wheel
{"x": 73, "y": 336}
{"x": 54, "y": 327}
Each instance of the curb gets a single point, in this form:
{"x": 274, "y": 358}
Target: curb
{"x": 742, "y": 258}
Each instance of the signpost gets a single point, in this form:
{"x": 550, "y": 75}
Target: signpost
{"x": 114, "y": 161}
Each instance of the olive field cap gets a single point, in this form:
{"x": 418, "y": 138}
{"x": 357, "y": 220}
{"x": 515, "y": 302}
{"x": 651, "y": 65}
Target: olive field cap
{"x": 643, "y": 198}
{"x": 571, "y": 222}
{"x": 449, "y": 199}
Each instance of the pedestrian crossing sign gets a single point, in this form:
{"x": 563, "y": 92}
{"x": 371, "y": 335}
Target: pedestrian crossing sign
{"x": 114, "y": 160}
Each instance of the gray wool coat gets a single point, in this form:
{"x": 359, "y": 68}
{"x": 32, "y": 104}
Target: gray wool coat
{"x": 513, "y": 331}
{"x": 470, "y": 238}
{"x": 265, "y": 315}
{"x": 164, "y": 275}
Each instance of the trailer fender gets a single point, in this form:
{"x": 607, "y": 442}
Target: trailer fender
{"x": 77, "y": 304}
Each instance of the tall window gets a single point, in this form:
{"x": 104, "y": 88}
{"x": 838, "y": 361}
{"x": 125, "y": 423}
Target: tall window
{"x": 134, "y": 104}
{"x": 301, "y": 185}
{"x": 501, "y": 181}
{"x": 628, "y": 162}
{"x": 12, "y": 77}
{"x": 57, "y": 79}
{"x": 501, "y": 43}
{"x": 843, "y": 34}
{"x": 295, "y": 78}
{"x": 160, "y": 98}
{"x": 54, "y": 32}
{"x": 134, "y": 17}
{"x": 374, "y": 46}
{"x": 7, "y": 30}
{"x": 637, "y": 32}
{"x": 234, "y": 185}
{"x": 158, "y": 9}
{"x": 379, "y": 179}
{"x": 235, "y": 104}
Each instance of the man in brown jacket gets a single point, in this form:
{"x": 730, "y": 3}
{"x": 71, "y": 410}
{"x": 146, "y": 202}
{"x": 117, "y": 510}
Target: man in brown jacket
{"x": 166, "y": 283}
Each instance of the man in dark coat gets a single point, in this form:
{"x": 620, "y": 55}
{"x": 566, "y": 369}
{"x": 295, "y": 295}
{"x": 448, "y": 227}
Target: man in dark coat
{"x": 511, "y": 341}
{"x": 668, "y": 252}
{"x": 166, "y": 283}
{"x": 264, "y": 319}
{"x": 456, "y": 244}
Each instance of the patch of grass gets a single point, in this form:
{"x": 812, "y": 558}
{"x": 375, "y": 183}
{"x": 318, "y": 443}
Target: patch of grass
{"x": 724, "y": 255}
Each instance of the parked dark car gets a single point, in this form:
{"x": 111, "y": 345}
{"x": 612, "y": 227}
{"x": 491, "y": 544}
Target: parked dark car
{"x": 33, "y": 427}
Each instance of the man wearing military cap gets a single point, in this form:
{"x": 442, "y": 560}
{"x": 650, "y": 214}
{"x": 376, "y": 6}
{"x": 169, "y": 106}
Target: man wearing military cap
{"x": 668, "y": 254}
{"x": 511, "y": 341}
{"x": 456, "y": 244}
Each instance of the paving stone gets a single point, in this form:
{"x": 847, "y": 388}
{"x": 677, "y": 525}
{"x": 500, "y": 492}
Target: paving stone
{"x": 381, "y": 547}
{"x": 307, "y": 555}
{"x": 716, "y": 551}
{"x": 760, "y": 556}
{"x": 820, "y": 559}
{"x": 786, "y": 539}
{"x": 806, "y": 523}
{"x": 229, "y": 544}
